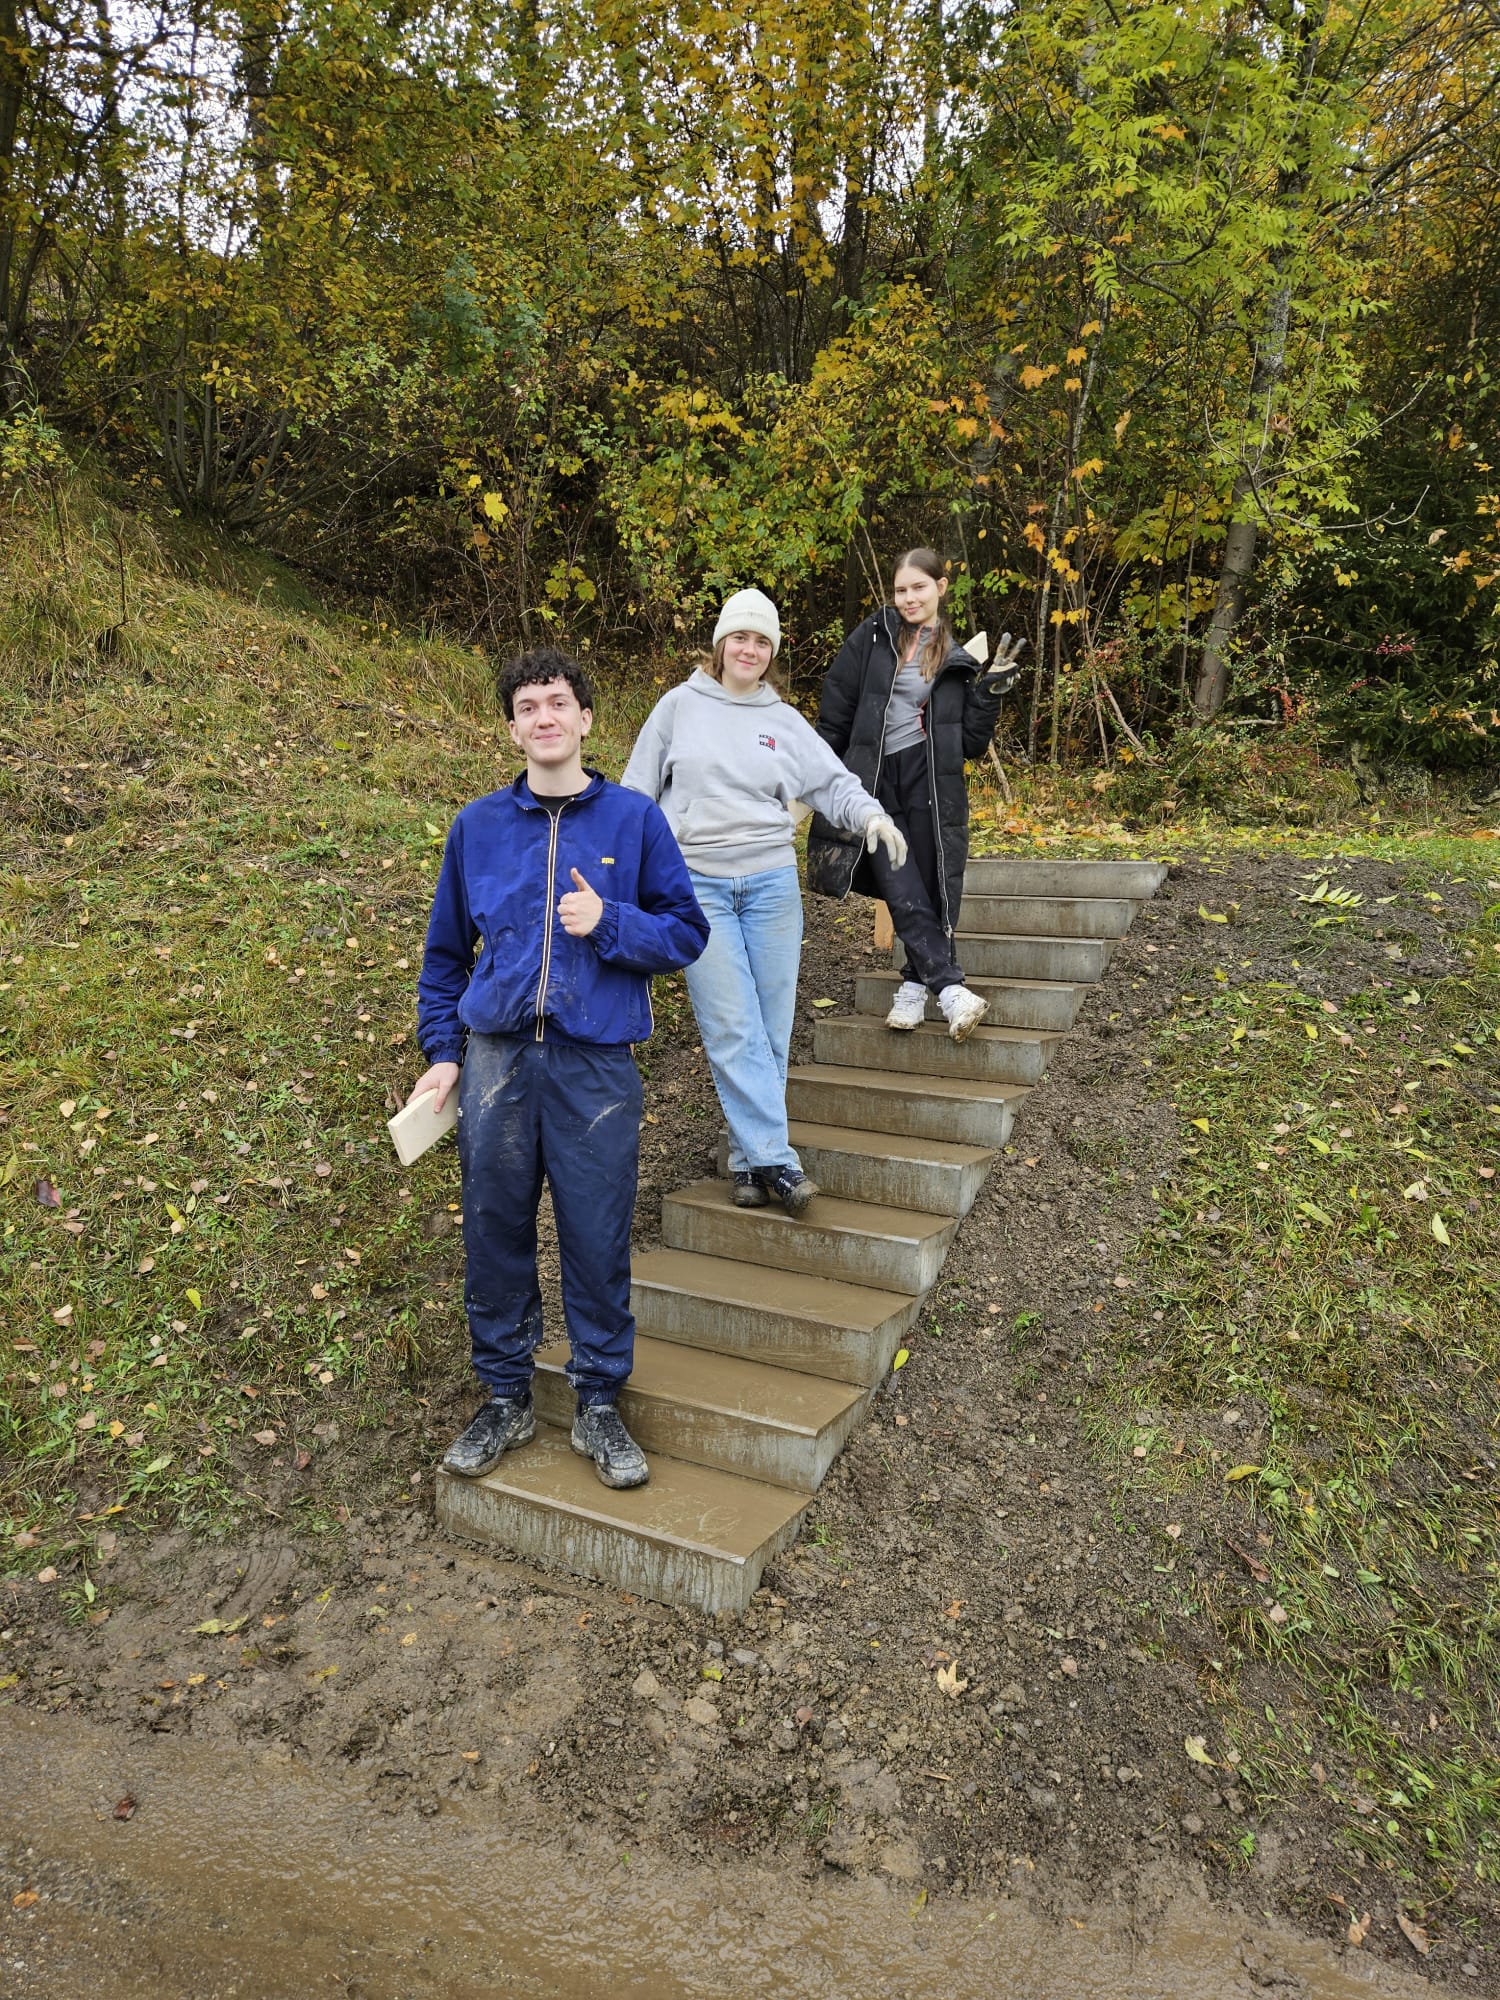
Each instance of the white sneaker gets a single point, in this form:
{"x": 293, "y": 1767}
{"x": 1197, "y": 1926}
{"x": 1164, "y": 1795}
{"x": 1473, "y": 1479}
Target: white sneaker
{"x": 909, "y": 1008}
{"x": 962, "y": 1010}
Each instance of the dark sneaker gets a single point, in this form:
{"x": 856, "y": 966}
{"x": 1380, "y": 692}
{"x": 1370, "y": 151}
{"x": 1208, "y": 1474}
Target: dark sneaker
{"x": 502, "y": 1424}
{"x": 599, "y": 1433}
{"x": 748, "y": 1192}
{"x": 790, "y": 1186}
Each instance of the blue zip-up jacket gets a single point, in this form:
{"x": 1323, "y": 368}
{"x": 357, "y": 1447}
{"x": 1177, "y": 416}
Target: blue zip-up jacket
{"x": 498, "y": 960}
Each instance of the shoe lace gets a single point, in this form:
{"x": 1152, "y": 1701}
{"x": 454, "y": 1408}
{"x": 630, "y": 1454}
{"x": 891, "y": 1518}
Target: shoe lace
{"x": 610, "y": 1428}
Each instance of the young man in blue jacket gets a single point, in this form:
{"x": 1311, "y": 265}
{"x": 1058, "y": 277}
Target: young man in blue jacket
{"x": 558, "y": 899}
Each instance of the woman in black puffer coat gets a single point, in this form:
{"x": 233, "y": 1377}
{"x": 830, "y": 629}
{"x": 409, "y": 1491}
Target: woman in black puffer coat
{"x": 904, "y": 705}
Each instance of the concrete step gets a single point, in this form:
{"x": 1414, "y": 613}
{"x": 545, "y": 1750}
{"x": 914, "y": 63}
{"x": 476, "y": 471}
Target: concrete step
{"x": 1014, "y": 1003}
{"x": 882, "y": 1167}
{"x": 1079, "y": 961}
{"x": 1028, "y": 875}
{"x": 990, "y": 1055}
{"x": 898, "y": 1250}
{"x": 819, "y": 1326}
{"x": 694, "y": 1535}
{"x": 914, "y": 1107}
{"x": 743, "y": 1416}
{"x": 1047, "y": 916}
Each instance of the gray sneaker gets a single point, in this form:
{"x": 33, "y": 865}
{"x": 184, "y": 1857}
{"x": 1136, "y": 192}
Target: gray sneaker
{"x": 500, "y": 1425}
{"x": 599, "y": 1433}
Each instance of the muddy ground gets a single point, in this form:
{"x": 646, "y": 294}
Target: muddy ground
{"x": 970, "y": 1530}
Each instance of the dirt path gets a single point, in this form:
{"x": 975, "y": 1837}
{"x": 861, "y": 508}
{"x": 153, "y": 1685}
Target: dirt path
{"x": 238, "y": 1874}
{"x": 971, "y": 1536}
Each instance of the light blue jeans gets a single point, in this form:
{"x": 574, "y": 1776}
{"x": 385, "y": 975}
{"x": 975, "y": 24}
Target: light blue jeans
{"x": 744, "y": 995}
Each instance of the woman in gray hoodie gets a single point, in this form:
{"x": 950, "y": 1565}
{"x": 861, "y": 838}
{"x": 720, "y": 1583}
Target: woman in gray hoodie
{"x": 725, "y": 757}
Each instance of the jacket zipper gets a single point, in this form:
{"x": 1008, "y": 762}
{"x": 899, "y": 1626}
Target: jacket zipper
{"x": 937, "y": 818}
{"x": 885, "y": 713}
{"x": 541, "y": 986}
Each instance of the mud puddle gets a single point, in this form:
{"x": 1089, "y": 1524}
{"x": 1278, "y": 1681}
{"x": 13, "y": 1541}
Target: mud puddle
{"x": 241, "y": 1878}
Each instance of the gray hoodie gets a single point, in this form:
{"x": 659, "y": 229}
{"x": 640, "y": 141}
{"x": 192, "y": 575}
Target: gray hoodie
{"x": 725, "y": 768}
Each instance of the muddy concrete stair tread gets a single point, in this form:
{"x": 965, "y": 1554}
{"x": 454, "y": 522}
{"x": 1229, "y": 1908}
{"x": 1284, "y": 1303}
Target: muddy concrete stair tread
{"x": 1048, "y": 916}
{"x": 1007, "y": 955}
{"x": 820, "y": 1326}
{"x": 1028, "y": 875}
{"x": 901, "y": 1249}
{"x": 1050, "y": 1004}
{"x": 743, "y": 1415}
{"x": 991, "y": 1055}
{"x": 694, "y": 1535}
{"x": 891, "y": 1169}
{"x": 964, "y": 1109}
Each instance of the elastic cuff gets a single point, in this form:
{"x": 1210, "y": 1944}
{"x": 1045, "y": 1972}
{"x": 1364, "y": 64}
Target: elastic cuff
{"x": 606, "y": 933}
{"x": 593, "y": 1399}
{"x": 520, "y": 1390}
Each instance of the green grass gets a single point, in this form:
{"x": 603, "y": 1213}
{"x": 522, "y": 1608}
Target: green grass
{"x": 1325, "y": 1252}
{"x": 223, "y": 824}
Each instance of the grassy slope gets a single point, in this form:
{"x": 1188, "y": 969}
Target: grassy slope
{"x": 224, "y": 820}
{"x": 223, "y": 826}
{"x": 1327, "y": 1249}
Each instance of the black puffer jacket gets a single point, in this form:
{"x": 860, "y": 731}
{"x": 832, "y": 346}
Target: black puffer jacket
{"x": 961, "y": 718}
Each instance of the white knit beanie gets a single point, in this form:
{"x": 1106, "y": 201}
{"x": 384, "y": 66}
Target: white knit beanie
{"x": 750, "y": 611}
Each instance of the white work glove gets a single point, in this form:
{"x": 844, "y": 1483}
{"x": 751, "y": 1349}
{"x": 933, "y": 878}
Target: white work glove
{"x": 1003, "y": 669}
{"x": 882, "y": 831}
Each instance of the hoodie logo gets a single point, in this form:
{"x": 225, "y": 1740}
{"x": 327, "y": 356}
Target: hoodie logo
{"x": 767, "y": 742}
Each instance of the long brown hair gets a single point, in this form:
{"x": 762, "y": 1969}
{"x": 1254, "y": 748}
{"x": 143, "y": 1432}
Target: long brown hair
{"x": 941, "y": 643}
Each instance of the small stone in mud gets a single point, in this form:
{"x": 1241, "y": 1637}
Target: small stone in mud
{"x": 743, "y": 1657}
{"x": 784, "y": 1737}
{"x": 900, "y": 1860}
{"x": 701, "y": 1711}
{"x": 1191, "y": 1824}
{"x": 834, "y": 1735}
{"x": 646, "y": 1685}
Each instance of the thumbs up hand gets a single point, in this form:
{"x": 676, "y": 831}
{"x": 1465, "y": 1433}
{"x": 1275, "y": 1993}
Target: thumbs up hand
{"x": 581, "y": 909}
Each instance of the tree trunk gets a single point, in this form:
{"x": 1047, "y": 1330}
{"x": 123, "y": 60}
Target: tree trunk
{"x": 255, "y": 63}
{"x": 12, "y": 84}
{"x": 1244, "y": 529}
{"x": 1246, "y": 502}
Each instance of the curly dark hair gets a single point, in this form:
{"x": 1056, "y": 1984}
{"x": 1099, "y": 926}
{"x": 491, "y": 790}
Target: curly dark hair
{"x": 535, "y": 669}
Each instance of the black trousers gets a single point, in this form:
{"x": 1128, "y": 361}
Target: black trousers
{"x": 913, "y": 892}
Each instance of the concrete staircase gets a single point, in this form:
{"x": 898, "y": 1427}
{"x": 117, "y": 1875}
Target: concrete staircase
{"x": 761, "y": 1339}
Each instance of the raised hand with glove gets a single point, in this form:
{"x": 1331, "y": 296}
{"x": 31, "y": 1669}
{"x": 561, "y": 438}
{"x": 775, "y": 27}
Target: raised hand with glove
{"x": 881, "y": 830}
{"x": 1004, "y": 665}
